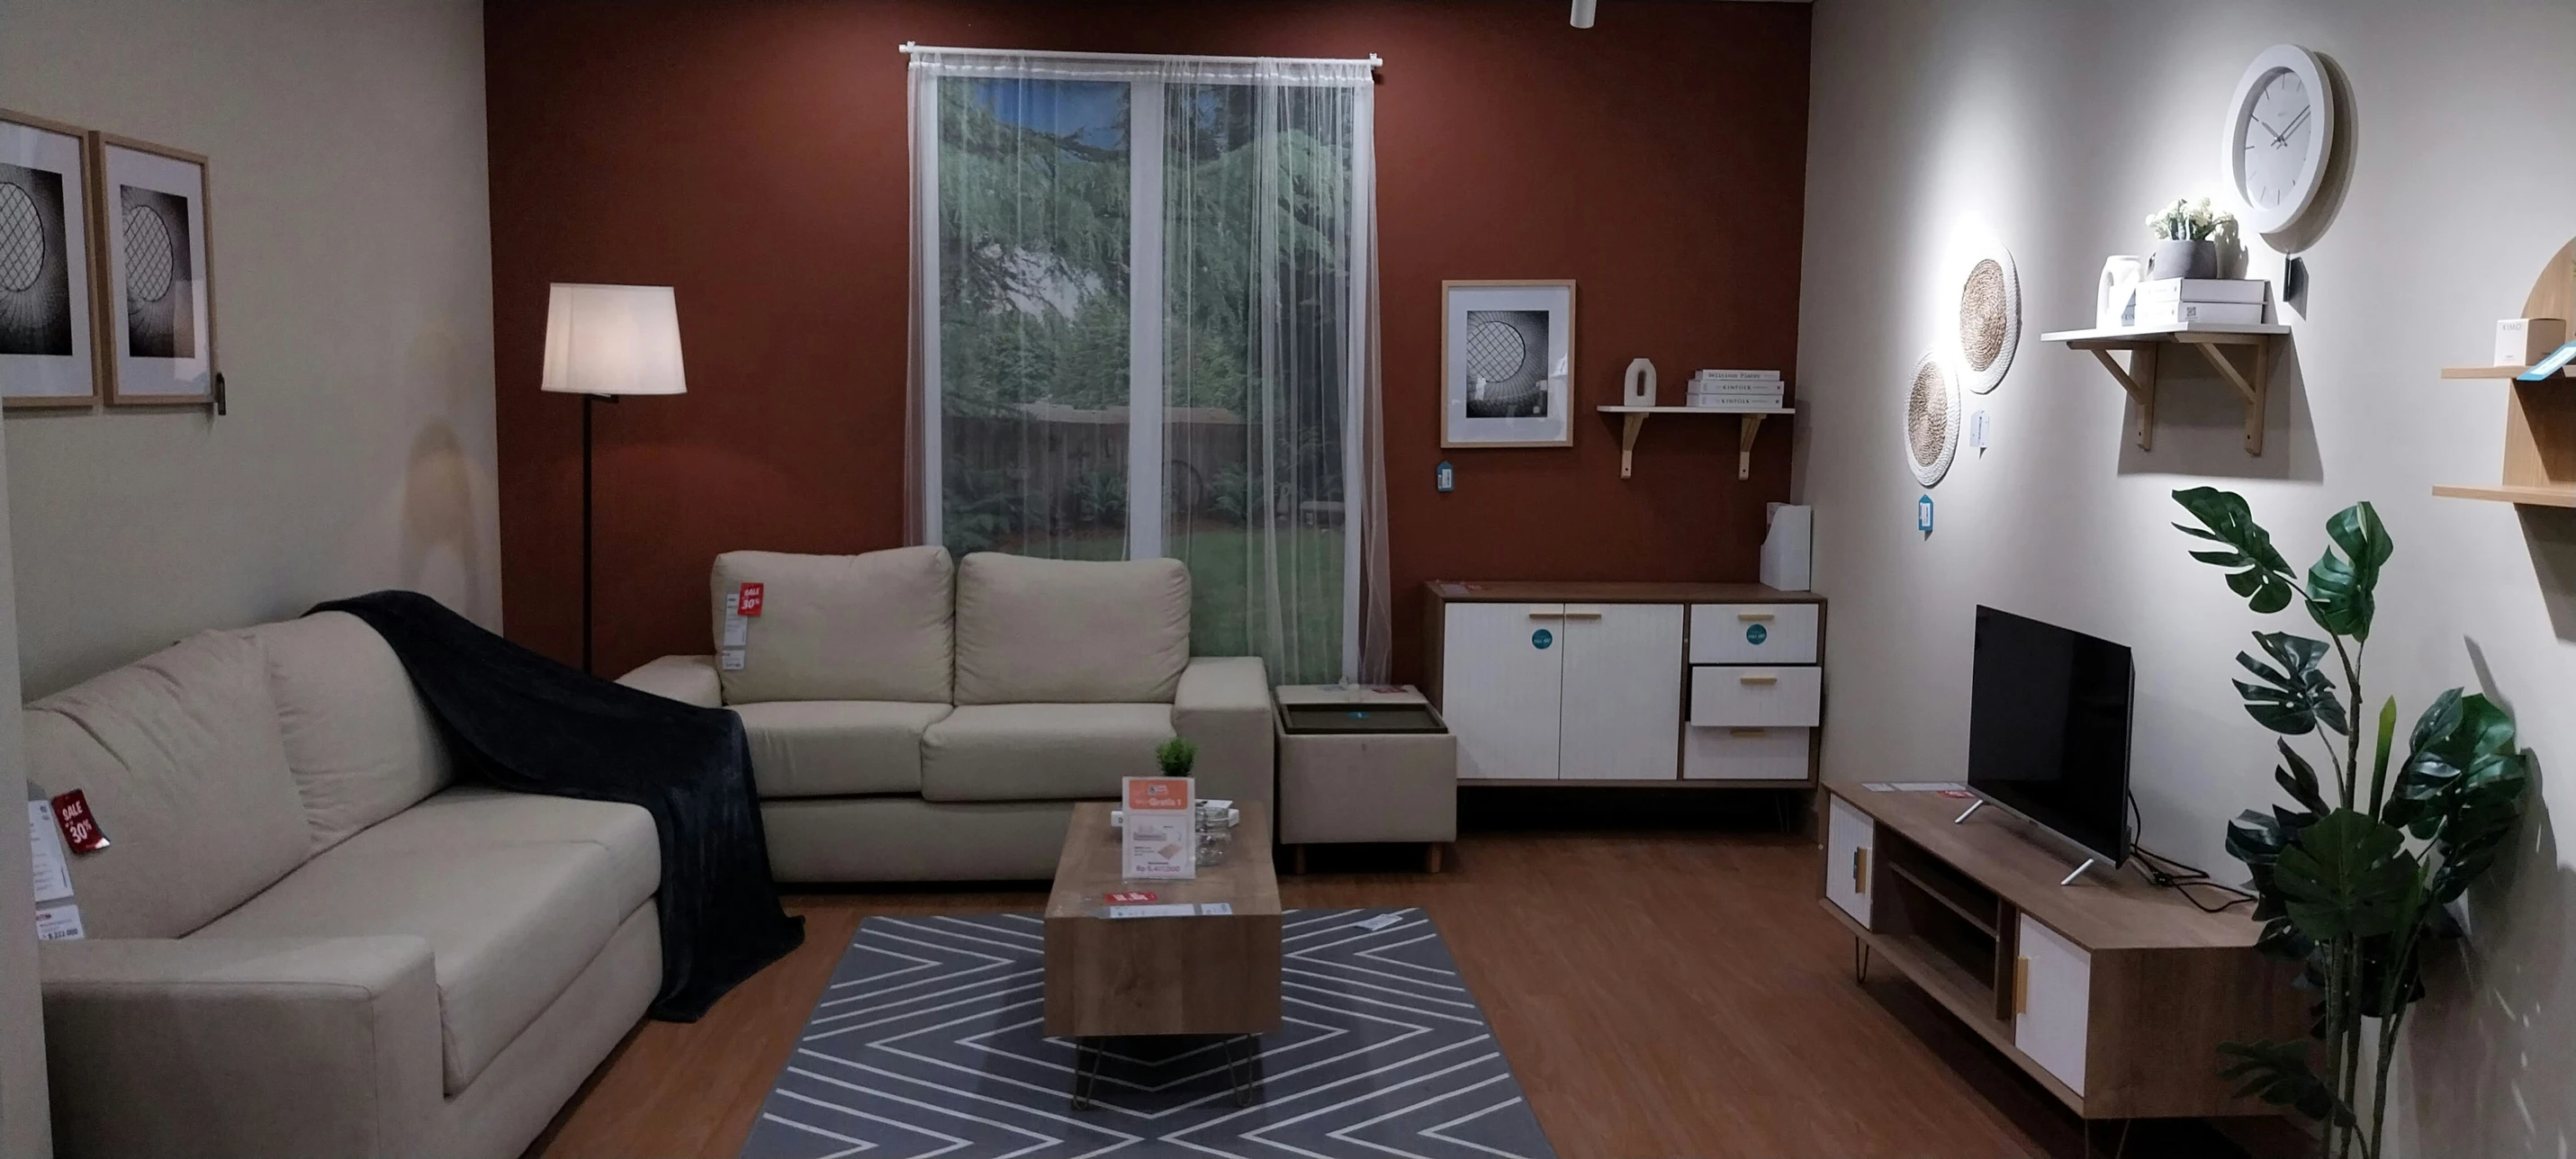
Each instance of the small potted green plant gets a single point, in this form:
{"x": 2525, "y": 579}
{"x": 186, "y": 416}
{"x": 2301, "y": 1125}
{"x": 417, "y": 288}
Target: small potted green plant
{"x": 1176, "y": 756}
{"x": 2188, "y": 235}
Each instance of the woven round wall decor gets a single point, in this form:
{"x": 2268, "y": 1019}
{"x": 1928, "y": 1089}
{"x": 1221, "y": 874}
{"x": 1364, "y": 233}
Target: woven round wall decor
{"x": 1931, "y": 420}
{"x": 1989, "y": 318}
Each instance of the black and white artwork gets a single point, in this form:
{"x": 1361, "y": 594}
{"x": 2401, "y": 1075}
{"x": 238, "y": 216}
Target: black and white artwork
{"x": 160, "y": 319}
{"x": 47, "y": 316}
{"x": 160, "y": 292}
{"x": 1508, "y": 354}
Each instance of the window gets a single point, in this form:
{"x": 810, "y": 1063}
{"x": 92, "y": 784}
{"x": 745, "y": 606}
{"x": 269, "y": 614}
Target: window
{"x": 1144, "y": 308}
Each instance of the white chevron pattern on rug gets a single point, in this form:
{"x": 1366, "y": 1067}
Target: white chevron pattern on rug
{"x": 927, "y": 1043}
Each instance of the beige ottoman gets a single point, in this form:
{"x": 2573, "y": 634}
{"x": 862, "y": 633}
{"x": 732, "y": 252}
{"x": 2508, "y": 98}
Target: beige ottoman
{"x": 1364, "y": 764}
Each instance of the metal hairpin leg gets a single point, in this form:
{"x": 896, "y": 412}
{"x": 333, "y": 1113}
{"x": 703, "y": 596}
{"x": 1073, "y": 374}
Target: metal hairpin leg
{"x": 2119, "y": 1150}
{"x": 1860, "y": 960}
{"x": 1086, "y": 1071}
{"x": 1241, "y": 1073}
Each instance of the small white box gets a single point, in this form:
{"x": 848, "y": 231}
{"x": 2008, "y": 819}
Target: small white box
{"x": 2153, "y": 315}
{"x": 2239, "y": 290}
{"x": 1786, "y": 548}
{"x": 2525, "y": 341}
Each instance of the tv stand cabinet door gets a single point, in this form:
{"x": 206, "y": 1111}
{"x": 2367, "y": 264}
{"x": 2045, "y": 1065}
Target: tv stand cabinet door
{"x": 1850, "y": 841}
{"x": 2053, "y": 993}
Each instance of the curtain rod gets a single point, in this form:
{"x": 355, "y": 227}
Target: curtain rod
{"x": 908, "y": 48}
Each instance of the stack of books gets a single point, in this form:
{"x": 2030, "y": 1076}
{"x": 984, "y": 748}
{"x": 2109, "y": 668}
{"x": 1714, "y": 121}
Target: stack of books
{"x": 1736, "y": 390}
{"x": 2185, "y": 302}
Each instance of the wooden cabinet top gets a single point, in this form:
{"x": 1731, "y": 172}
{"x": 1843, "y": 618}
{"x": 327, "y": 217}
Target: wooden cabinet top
{"x": 2103, "y": 910}
{"x": 1609, "y": 592}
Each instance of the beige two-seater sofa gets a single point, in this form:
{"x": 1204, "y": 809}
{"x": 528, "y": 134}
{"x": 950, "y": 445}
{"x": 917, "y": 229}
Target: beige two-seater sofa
{"x": 302, "y": 939}
{"x": 914, "y": 717}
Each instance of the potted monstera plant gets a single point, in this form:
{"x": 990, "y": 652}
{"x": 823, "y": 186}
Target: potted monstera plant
{"x": 2354, "y": 875}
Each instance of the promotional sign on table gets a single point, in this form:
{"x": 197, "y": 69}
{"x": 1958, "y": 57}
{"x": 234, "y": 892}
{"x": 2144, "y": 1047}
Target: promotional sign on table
{"x": 1161, "y": 836}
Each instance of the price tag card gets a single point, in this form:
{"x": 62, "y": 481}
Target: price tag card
{"x": 1130, "y": 897}
{"x": 53, "y": 869}
{"x": 58, "y": 923}
{"x": 749, "y": 599}
{"x": 1160, "y": 837}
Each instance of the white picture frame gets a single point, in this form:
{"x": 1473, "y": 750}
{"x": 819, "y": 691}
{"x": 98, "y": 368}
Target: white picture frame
{"x": 1507, "y": 363}
{"x": 49, "y": 314}
{"x": 157, "y": 295}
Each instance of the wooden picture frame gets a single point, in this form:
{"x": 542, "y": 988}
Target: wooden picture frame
{"x": 52, "y": 335}
{"x": 154, "y": 208}
{"x": 1507, "y": 350}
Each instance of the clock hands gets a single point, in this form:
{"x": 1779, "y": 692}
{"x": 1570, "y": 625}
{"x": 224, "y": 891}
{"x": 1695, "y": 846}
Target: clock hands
{"x": 2297, "y": 121}
{"x": 2277, "y": 135}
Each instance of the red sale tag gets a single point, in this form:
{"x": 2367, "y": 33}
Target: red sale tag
{"x": 748, "y": 602}
{"x": 80, "y": 829}
{"x": 1132, "y": 897}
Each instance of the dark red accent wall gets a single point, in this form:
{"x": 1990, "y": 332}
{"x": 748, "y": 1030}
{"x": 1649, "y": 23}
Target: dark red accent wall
{"x": 752, "y": 154}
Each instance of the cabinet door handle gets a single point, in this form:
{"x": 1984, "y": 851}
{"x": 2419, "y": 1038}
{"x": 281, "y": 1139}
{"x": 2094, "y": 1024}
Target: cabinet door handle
{"x": 1749, "y": 617}
{"x": 1860, "y": 869}
{"x": 1538, "y": 614}
{"x": 2021, "y": 986}
{"x": 1582, "y": 613}
{"x": 1758, "y": 679}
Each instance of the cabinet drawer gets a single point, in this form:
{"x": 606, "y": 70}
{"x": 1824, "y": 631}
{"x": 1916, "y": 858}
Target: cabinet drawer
{"x": 1849, "y": 837}
{"x": 1753, "y": 634}
{"x": 1757, "y": 697}
{"x": 1744, "y": 754}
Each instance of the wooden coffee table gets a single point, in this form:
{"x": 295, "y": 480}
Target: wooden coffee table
{"x": 1213, "y": 975}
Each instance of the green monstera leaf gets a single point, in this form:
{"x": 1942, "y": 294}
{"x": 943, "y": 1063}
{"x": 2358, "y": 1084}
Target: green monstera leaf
{"x": 2295, "y": 697}
{"x": 2348, "y": 875}
{"x": 2255, "y": 568}
{"x": 2341, "y": 587}
{"x": 2279, "y": 1074}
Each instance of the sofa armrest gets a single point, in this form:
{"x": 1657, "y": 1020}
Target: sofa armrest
{"x": 269, "y": 1047}
{"x": 687, "y": 679}
{"x": 1224, "y": 706}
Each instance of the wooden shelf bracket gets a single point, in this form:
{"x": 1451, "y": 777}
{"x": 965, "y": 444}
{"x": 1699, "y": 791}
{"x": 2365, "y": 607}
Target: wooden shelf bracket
{"x": 2140, "y": 377}
{"x": 1636, "y": 421}
{"x": 1633, "y": 419}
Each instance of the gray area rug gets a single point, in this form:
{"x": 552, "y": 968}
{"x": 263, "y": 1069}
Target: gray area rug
{"x": 927, "y": 1043}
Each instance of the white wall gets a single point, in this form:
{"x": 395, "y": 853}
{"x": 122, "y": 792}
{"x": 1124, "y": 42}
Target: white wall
{"x": 2059, "y": 127}
{"x": 353, "y": 281}
{"x": 26, "y": 1127}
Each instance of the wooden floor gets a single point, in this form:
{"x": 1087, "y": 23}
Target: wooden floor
{"x": 1658, "y": 994}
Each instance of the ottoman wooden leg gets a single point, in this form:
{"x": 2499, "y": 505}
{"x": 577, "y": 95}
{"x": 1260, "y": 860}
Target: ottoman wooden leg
{"x": 1297, "y": 859}
{"x": 1431, "y": 857}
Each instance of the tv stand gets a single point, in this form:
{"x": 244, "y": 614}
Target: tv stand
{"x": 2111, "y": 993}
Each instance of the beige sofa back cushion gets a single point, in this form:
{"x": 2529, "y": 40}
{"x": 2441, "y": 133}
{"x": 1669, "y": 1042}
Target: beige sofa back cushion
{"x": 360, "y": 743}
{"x": 180, "y": 757}
{"x": 841, "y": 627}
{"x": 1064, "y": 632}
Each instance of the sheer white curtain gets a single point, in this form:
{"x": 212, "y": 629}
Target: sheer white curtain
{"x": 1144, "y": 324}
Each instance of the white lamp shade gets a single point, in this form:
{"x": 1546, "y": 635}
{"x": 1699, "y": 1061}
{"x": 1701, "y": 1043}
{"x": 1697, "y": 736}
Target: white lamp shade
{"x": 613, "y": 340}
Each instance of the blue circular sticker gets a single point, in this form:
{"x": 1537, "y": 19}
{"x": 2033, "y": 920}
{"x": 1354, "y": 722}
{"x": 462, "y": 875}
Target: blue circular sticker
{"x": 1756, "y": 634}
{"x": 1542, "y": 638}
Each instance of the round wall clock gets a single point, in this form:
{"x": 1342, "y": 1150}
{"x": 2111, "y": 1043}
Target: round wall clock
{"x": 1989, "y": 317}
{"x": 2280, "y": 130}
{"x": 1931, "y": 420}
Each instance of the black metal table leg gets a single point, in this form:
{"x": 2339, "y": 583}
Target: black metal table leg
{"x": 1241, "y": 1073}
{"x": 1086, "y": 1071}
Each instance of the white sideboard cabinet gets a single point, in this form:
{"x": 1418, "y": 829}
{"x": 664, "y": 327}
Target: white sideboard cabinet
{"x": 1628, "y": 683}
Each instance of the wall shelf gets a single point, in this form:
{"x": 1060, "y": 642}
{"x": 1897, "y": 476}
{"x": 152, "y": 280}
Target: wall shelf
{"x": 2539, "y": 417}
{"x": 1635, "y": 420}
{"x": 2215, "y": 343}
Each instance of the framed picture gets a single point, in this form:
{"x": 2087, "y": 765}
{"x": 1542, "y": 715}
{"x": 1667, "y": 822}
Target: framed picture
{"x": 49, "y": 325}
{"x": 158, "y": 292}
{"x": 1507, "y": 364}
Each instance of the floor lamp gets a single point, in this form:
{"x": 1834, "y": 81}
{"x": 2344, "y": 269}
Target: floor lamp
{"x": 603, "y": 343}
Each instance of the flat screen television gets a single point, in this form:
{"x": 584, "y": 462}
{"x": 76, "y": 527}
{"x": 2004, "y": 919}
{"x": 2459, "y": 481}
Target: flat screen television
{"x": 2048, "y": 732}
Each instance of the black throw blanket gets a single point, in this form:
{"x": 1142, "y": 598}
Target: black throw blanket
{"x": 531, "y": 725}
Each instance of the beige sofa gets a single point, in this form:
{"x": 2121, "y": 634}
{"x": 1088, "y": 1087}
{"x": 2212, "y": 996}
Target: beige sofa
{"x": 303, "y": 940}
{"x": 918, "y": 718}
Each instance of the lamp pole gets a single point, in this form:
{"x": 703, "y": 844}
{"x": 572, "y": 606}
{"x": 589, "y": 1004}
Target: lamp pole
{"x": 586, "y": 402}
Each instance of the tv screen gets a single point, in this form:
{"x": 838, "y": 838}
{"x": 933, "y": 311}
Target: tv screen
{"x": 2048, "y": 732}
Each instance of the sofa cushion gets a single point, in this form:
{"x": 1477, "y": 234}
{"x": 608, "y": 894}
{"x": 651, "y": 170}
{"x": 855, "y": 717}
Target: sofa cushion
{"x": 841, "y": 627}
{"x": 180, "y": 758}
{"x": 829, "y": 748}
{"x": 361, "y": 744}
{"x": 1040, "y": 752}
{"x": 1063, "y": 631}
{"x": 515, "y": 895}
